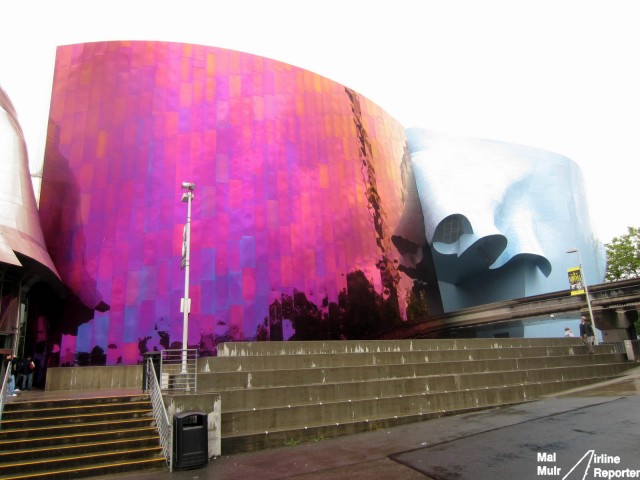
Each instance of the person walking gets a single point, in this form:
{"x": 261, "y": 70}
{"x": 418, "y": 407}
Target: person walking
{"x": 568, "y": 332}
{"x": 586, "y": 334}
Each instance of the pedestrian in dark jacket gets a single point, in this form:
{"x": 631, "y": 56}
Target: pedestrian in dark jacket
{"x": 28, "y": 369}
{"x": 586, "y": 334}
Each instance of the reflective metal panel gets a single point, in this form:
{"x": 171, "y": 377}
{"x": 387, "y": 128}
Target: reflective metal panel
{"x": 20, "y": 230}
{"x": 304, "y": 190}
{"x": 500, "y": 218}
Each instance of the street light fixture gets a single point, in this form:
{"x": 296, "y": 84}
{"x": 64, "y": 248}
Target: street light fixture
{"x": 185, "y": 304}
{"x": 586, "y": 293}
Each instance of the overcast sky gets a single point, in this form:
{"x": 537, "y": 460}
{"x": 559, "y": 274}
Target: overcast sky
{"x": 554, "y": 74}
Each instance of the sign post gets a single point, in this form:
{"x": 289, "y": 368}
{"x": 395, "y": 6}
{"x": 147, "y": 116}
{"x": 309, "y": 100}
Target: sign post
{"x": 578, "y": 286}
{"x": 185, "y": 303}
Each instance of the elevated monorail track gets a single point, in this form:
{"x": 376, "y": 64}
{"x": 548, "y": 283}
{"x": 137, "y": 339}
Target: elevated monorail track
{"x": 609, "y": 297}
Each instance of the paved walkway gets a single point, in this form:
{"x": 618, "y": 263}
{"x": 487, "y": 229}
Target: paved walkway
{"x": 566, "y": 436}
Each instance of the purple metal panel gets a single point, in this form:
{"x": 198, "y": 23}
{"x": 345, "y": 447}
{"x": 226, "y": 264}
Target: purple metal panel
{"x": 299, "y": 186}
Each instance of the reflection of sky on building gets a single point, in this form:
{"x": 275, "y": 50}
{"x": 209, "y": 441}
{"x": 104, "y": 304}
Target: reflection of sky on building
{"x": 517, "y": 210}
{"x": 299, "y": 182}
{"x": 20, "y": 231}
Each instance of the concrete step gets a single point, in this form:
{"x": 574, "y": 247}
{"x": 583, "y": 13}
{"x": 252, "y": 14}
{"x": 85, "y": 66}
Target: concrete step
{"x": 84, "y": 465}
{"x": 233, "y": 349}
{"x": 345, "y": 418}
{"x": 38, "y": 410}
{"x": 69, "y": 420}
{"x": 76, "y": 449}
{"x": 78, "y": 438}
{"x": 273, "y": 393}
{"x": 296, "y": 375}
{"x": 74, "y": 429}
{"x": 82, "y": 401}
{"x": 32, "y": 442}
{"x": 269, "y": 397}
{"x": 106, "y": 470}
{"x": 313, "y": 360}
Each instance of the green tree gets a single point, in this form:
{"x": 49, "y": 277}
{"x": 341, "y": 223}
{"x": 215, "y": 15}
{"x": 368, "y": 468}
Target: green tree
{"x": 623, "y": 256}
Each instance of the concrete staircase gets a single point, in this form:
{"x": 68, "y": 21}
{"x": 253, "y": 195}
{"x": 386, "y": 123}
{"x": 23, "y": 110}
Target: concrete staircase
{"x": 279, "y": 393}
{"x": 82, "y": 437}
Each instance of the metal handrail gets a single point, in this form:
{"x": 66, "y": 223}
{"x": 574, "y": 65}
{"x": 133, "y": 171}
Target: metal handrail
{"x": 4, "y": 393}
{"x": 160, "y": 414}
{"x": 619, "y": 347}
{"x": 179, "y": 370}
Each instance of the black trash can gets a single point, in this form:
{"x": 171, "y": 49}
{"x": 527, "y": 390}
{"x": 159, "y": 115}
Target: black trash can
{"x": 190, "y": 441}
{"x": 155, "y": 358}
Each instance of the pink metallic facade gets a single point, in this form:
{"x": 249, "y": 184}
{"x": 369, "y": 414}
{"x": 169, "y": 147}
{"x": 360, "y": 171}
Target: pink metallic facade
{"x": 303, "y": 193}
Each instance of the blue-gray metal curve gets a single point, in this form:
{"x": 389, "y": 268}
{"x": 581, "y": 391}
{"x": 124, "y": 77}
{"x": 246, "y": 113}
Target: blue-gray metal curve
{"x": 500, "y": 218}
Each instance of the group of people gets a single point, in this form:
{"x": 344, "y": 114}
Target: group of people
{"x": 20, "y": 374}
{"x": 586, "y": 333}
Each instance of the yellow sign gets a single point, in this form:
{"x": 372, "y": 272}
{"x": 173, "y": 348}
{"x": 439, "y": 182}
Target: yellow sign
{"x": 575, "y": 281}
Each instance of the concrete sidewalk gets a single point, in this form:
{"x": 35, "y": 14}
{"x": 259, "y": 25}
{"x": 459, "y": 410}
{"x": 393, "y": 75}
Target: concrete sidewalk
{"x": 544, "y": 438}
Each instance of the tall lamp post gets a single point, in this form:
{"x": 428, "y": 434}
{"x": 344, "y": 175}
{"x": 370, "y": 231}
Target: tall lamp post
{"x": 185, "y": 304}
{"x": 586, "y": 293}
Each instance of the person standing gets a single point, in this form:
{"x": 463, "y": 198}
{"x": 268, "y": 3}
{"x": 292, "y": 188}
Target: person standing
{"x": 16, "y": 370}
{"x": 586, "y": 334}
{"x": 11, "y": 378}
{"x": 28, "y": 368}
{"x": 568, "y": 332}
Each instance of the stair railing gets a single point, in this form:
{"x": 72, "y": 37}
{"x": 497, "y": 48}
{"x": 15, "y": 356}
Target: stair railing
{"x": 4, "y": 393}
{"x": 160, "y": 413}
{"x": 179, "y": 370}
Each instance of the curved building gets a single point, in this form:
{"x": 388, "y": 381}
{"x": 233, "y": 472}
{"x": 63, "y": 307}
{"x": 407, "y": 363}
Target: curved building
{"x": 305, "y": 220}
{"x": 316, "y": 215}
{"x": 24, "y": 260}
{"x": 500, "y": 218}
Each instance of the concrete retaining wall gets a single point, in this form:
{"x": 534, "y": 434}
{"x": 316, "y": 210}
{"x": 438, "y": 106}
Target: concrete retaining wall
{"x": 94, "y": 378}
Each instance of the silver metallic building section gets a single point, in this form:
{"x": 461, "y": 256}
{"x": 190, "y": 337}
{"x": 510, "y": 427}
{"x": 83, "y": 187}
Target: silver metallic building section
{"x": 500, "y": 218}
{"x": 20, "y": 231}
